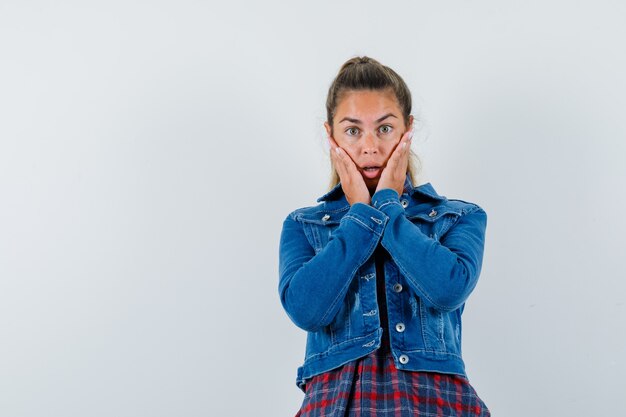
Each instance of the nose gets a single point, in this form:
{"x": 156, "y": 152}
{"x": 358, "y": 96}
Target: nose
{"x": 369, "y": 144}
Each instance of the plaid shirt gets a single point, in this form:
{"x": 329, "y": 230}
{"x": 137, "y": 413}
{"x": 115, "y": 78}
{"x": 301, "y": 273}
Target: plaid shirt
{"x": 372, "y": 386}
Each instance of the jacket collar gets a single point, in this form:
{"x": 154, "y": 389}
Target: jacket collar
{"x": 424, "y": 190}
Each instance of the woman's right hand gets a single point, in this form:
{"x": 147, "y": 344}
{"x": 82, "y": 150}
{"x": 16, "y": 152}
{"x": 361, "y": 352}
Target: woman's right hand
{"x": 352, "y": 182}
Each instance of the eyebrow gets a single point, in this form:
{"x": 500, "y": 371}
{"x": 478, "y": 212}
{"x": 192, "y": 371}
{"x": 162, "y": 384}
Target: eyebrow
{"x": 349, "y": 119}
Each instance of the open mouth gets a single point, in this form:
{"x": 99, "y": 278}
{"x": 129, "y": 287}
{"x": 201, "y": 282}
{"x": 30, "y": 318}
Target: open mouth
{"x": 371, "y": 171}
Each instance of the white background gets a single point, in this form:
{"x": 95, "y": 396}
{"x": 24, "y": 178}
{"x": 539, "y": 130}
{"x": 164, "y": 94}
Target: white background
{"x": 149, "y": 152}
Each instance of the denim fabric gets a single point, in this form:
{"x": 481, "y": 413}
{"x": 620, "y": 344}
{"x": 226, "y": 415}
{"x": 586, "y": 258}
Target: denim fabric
{"x": 327, "y": 277}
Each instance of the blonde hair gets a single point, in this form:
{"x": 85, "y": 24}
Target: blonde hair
{"x": 365, "y": 73}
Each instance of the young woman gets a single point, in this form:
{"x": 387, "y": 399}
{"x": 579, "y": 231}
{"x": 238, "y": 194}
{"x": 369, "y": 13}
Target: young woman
{"x": 379, "y": 271}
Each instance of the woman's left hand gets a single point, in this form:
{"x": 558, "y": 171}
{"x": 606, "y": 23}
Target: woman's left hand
{"x": 394, "y": 173}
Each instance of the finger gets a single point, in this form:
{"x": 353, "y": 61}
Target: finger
{"x": 346, "y": 161}
{"x": 405, "y": 147}
{"x": 338, "y": 158}
{"x": 334, "y": 157}
{"x": 333, "y": 149}
{"x": 342, "y": 155}
{"x": 332, "y": 142}
{"x": 406, "y": 139}
{"x": 336, "y": 152}
{"x": 402, "y": 148}
{"x": 401, "y": 145}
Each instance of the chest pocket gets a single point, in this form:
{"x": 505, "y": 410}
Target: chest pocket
{"x": 320, "y": 227}
{"x": 436, "y": 221}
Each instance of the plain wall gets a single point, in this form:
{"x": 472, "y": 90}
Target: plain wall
{"x": 149, "y": 152}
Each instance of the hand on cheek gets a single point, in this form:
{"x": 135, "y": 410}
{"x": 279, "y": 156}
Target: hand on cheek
{"x": 352, "y": 182}
{"x": 394, "y": 173}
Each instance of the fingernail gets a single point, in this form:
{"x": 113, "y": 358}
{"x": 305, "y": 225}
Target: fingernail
{"x": 337, "y": 150}
{"x": 403, "y": 145}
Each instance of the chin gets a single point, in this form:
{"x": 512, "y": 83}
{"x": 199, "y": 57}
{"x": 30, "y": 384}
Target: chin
{"x": 371, "y": 186}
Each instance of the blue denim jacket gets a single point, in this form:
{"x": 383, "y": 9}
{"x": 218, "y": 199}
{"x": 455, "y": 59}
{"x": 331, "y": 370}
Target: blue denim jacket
{"x": 327, "y": 275}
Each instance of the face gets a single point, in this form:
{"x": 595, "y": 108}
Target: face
{"x": 368, "y": 125}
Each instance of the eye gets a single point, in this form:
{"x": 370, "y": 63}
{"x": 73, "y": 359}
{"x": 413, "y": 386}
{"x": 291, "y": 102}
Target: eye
{"x": 385, "y": 129}
{"x": 351, "y": 131}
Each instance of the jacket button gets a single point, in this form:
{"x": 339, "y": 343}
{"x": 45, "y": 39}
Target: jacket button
{"x": 400, "y": 327}
{"x": 326, "y": 217}
{"x": 397, "y": 287}
{"x": 433, "y": 213}
{"x": 405, "y": 203}
{"x": 404, "y": 359}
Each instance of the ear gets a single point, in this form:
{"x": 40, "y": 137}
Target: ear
{"x": 411, "y": 119}
{"x": 328, "y": 129}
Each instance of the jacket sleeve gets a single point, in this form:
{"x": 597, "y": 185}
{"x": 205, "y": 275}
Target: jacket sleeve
{"x": 443, "y": 273}
{"x": 313, "y": 286}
